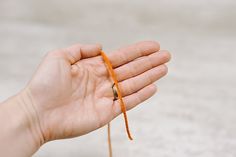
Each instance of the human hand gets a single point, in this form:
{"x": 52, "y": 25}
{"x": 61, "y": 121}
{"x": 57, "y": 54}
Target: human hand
{"x": 71, "y": 91}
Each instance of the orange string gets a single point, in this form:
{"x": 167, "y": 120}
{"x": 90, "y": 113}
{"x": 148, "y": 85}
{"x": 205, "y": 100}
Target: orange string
{"x": 109, "y": 139}
{"x": 122, "y": 105}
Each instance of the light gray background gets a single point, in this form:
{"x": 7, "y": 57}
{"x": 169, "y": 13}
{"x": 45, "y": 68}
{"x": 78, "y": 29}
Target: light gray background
{"x": 194, "y": 113}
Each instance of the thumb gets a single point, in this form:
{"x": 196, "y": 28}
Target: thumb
{"x": 77, "y": 52}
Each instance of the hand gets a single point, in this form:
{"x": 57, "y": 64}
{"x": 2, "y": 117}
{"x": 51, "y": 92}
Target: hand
{"x": 71, "y": 90}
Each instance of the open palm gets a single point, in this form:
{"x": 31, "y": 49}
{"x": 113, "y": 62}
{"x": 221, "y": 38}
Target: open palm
{"x": 72, "y": 92}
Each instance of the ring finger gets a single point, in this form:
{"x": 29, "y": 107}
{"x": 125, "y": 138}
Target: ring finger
{"x": 136, "y": 83}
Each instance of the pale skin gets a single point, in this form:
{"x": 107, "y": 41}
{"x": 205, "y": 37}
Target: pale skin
{"x": 70, "y": 94}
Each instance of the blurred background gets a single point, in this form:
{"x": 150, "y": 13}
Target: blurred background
{"x": 194, "y": 112}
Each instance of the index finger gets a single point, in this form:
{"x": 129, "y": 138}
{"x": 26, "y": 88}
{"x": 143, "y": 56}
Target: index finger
{"x": 127, "y": 54}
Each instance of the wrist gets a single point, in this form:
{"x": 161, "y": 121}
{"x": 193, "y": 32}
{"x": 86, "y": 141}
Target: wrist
{"x": 20, "y": 126}
{"x": 32, "y": 121}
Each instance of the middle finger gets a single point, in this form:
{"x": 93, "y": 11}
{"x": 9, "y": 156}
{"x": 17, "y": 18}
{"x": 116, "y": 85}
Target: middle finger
{"x": 141, "y": 65}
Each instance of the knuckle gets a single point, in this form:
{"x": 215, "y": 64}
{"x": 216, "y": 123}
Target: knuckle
{"x": 150, "y": 62}
{"x": 124, "y": 88}
{"x": 149, "y": 77}
{"x": 132, "y": 69}
{"x": 138, "y": 98}
{"x": 130, "y": 88}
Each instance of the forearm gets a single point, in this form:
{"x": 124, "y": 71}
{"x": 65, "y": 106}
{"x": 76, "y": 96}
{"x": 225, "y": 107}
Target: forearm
{"x": 20, "y": 134}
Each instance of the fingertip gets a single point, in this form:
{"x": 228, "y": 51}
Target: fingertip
{"x": 163, "y": 69}
{"x": 153, "y": 87}
{"x": 166, "y": 55}
{"x": 98, "y": 46}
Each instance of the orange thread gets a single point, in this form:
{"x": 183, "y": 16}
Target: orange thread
{"x": 109, "y": 139}
{"x": 122, "y": 105}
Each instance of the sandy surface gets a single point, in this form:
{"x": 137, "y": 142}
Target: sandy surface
{"x": 194, "y": 113}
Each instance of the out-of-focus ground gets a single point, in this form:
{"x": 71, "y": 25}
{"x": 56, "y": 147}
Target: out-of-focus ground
{"x": 194, "y": 113}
